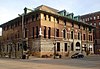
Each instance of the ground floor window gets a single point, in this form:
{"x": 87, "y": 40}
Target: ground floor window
{"x": 72, "y": 47}
{"x": 65, "y": 46}
{"x": 58, "y": 46}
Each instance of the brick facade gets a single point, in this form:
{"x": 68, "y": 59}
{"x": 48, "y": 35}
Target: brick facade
{"x": 94, "y": 19}
{"x": 42, "y": 28}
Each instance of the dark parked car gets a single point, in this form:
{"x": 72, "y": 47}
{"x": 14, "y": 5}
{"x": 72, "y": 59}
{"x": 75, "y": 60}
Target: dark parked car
{"x": 77, "y": 55}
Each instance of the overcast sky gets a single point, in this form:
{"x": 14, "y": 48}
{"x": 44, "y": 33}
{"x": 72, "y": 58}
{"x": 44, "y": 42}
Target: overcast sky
{"x": 9, "y": 9}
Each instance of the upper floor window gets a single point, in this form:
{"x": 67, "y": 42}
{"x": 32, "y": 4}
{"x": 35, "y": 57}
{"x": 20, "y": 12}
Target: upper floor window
{"x": 90, "y": 30}
{"x": 98, "y": 17}
{"x": 86, "y": 19}
{"x": 83, "y": 36}
{"x": 94, "y": 24}
{"x": 84, "y": 27}
{"x": 90, "y": 18}
{"x": 71, "y": 34}
{"x": 49, "y": 17}
{"x": 90, "y": 23}
{"x": 37, "y": 32}
{"x": 83, "y": 20}
{"x": 33, "y": 33}
{"x": 44, "y": 31}
{"x": 91, "y": 37}
{"x": 99, "y": 23}
{"x": 37, "y": 15}
{"x": 57, "y": 32}
{"x": 49, "y": 32}
{"x": 79, "y": 26}
{"x": 27, "y": 20}
{"x": 8, "y": 27}
{"x": 94, "y": 18}
{"x": 33, "y": 17}
{"x": 72, "y": 24}
{"x": 45, "y": 16}
{"x": 25, "y": 32}
{"x": 65, "y": 22}
{"x": 4, "y": 28}
{"x": 57, "y": 20}
{"x": 64, "y": 33}
{"x": 78, "y": 36}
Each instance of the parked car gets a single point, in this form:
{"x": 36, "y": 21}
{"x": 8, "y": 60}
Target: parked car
{"x": 77, "y": 55}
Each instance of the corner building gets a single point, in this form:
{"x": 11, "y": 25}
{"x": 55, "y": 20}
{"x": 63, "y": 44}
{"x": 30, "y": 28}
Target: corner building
{"x": 47, "y": 31}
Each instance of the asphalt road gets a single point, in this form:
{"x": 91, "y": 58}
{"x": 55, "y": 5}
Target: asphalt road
{"x": 90, "y": 62}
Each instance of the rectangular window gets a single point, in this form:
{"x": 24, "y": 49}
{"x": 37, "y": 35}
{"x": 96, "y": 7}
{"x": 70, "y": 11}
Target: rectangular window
{"x": 32, "y": 17}
{"x": 44, "y": 31}
{"x": 49, "y": 17}
{"x": 98, "y": 17}
{"x": 90, "y": 23}
{"x": 64, "y": 33}
{"x": 84, "y": 27}
{"x": 18, "y": 46}
{"x": 83, "y": 36}
{"x": 49, "y": 33}
{"x": 37, "y": 32}
{"x": 7, "y": 48}
{"x": 18, "y": 35}
{"x": 57, "y": 32}
{"x": 33, "y": 33}
{"x": 99, "y": 23}
{"x": 94, "y": 18}
{"x": 27, "y": 20}
{"x": 91, "y": 37}
{"x": 78, "y": 36}
{"x": 79, "y": 26}
{"x": 58, "y": 46}
{"x": 72, "y": 24}
{"x": 71, "y": 34}
{"x": 94, "y": 24}
{"x": 64, "y": 22}
{"x": 57, "y": 20}
{"x": 25, "y": 32}
{"x": 45, "y": 16}
{"x": 65, "y": 46}
{"x": 72, "y": 46}
{"x": 37, "y": 16}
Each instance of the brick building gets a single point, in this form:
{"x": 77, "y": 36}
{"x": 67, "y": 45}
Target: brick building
{"x": 94, "y": 19}
{"x": 47, "y": 31}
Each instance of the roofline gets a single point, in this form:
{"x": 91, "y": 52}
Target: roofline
{"x": 69, "y": 19}
{"x": 90, "y": 13}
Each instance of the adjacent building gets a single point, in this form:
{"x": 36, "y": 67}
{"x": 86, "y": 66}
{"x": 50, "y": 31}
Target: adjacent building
{"x": 46, "y": 32}
{"x": 94, "y": 19}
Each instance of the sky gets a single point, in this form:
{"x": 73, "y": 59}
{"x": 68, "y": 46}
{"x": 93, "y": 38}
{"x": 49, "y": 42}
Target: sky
{"x": 9, "y": 9}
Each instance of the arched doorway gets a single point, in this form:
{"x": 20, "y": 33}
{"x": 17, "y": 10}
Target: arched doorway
{"x": 77, "y": 46}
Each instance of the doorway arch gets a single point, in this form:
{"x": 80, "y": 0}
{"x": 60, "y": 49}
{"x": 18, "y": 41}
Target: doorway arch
{"x": 77, "y": 46}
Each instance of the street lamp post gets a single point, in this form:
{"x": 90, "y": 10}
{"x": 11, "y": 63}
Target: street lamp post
{"x": 23, "y": 28}
{"x": 54, "y": 49}
{"x": 54, "y": 40}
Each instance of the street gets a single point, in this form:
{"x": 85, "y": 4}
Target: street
{"x": 90, "y": 62}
